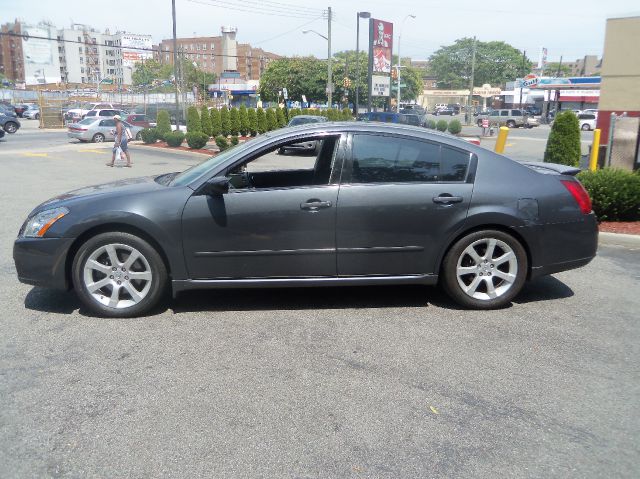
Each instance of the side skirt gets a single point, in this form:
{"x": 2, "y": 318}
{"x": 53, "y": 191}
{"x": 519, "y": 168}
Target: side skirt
{"x": 190, "y": 284}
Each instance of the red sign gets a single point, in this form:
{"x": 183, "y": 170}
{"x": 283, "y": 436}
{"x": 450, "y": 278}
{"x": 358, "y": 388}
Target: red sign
{"x": 382, "y": 45}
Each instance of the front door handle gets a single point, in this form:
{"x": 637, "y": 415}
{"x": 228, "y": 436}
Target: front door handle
{"x": 447, "y": 199}
{"x": 315, "y": 205}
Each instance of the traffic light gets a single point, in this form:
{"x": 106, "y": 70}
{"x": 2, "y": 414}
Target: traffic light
{"x": 394, "y": 73}
{"x": 346, "y": 82}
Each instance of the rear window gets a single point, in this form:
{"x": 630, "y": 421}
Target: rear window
{"x": 516, "y": 113}
{"x": 302, "y": 121}
{"x": 586, "y": 116}
{"x": 91, "y": 113}
{"x": 87, "y": 121}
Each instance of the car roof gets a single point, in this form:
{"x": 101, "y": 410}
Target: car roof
{"x": 313, "y": 117}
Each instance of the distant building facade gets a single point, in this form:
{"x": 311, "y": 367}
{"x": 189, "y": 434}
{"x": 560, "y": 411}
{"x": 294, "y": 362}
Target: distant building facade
{"x": 588, "y": 66}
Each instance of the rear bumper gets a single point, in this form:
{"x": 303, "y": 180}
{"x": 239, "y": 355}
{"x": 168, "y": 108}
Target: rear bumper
{"x": 42, "y": 261}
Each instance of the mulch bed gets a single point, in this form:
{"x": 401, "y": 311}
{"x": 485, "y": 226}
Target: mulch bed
{"x": 625, "y": 227}
{"x": 162, "y": 144}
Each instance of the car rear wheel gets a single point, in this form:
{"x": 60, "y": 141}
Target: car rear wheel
{"x": 37, "y": 116}
{"x": 479, "y": 123}
{"x": 485, "y": 269}
{"x": 98, "y": 138}
{"x": 118, "y": 275}
{"x": 511, "y": 124}
{"x": 138, "y": 136}
{"x": 585, "y": 127}
{"x": 10, "y": 127}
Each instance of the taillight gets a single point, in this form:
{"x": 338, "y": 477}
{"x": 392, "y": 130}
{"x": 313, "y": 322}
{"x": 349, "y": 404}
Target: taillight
{"x": 579, "y": 194}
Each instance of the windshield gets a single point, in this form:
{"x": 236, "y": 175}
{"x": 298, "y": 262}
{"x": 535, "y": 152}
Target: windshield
{"x": 197, "y": 171}
{"x": 303, "y": 121}
{"x": 87, "y": 121}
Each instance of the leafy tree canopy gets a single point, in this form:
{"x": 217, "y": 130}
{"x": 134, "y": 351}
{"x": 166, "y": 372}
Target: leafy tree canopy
{"x": 496, "y": 63}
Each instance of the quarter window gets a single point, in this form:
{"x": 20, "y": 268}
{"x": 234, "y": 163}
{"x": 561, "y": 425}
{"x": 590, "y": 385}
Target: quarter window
{"x": 382, "y": 159}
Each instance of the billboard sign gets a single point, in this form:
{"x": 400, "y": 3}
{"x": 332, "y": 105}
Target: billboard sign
{"x": 542, "y": 61}
{"x": 380, "y": 85}
{"x": 382, "y": 46}
{"x": 36, "y": 51}
{"x": 135, "y": 48}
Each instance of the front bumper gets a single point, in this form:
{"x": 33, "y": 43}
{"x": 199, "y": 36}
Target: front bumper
{"x": 42, "y": 261}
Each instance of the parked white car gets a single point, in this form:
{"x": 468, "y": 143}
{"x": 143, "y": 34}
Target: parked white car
{"x": 32, "y": 112}
{"x": 587, "y": 121}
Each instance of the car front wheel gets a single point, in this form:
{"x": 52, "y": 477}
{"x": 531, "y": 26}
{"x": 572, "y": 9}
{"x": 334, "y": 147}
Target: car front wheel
{"x": 10, "y": 127}
{"x": 511, "y": 124}
{"x": 98, "y": 138}
{"x": 585, "y": 127}
{"x": 485, "y": 270}
{"x": 119, "y": 275}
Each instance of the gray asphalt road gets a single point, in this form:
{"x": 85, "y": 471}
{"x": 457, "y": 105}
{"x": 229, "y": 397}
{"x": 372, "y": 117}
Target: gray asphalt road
{"x": 340, "y": 382}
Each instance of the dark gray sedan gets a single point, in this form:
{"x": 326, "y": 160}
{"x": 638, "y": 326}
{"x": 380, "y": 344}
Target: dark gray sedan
{"x": 379, "y": 204}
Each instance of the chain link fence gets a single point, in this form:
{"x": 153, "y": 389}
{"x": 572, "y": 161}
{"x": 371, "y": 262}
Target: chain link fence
{"x": 624, "y": 139}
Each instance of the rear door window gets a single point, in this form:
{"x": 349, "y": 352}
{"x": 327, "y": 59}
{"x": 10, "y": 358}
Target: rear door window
{"x": 504, "y": 113}
{"x": 516, "y": 113}
{"x": 385, "y": 159}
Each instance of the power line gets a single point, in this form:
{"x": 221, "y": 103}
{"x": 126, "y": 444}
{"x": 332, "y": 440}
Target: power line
{"x": 287, "y": 32}
{"x": 264, "y": 10}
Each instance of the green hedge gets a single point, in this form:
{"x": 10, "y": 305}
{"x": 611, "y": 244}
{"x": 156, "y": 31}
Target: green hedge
{"x": 196, "y": 139}
{"x": 234, "y": 140}
{"x": 193, "y": 120}
{"x": 431, "y": 124}
{"x": 175, "y": 138}
{"x": 615, "y": 193}
{"x": 149, "y": 135}
{"x": 563, "y": 145}
{"x": 163, "y": 123}
{"x": 222, "y": 143}
{"x": 454, "y": 127}
{"x": 441, "y": 125}
{"x": 205, "y": 120}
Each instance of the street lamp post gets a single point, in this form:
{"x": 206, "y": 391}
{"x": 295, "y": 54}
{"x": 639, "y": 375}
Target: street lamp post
{"x": 358, "y": 17}
{"x": 400, "y": 60}
{"x": 328, "y": 39}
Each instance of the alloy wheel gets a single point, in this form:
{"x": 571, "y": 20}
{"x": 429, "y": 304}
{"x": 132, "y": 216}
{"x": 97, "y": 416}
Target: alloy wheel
{"x": 487, "y": 269}
{"x": 117, "y": 276}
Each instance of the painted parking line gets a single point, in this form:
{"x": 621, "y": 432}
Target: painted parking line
{"x": 35, "y": 154}
{"x": 93, "y": 150}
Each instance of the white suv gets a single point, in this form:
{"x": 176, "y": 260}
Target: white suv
{"x": 587, "y": 121}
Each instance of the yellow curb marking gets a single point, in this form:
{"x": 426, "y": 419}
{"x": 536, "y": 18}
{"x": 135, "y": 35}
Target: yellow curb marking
{"x": 35, "y": 154}
{"x": 92, "y": 151}
{"x": 433, "y": 410}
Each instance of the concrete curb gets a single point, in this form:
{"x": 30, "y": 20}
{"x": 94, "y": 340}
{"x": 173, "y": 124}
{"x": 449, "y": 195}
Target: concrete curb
{"x": 170, "y": 150}
{"x": 620, "y": 239}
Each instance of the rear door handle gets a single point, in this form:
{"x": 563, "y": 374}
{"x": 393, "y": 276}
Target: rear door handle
{"x": 315, "y": 205}
{"x": 447, "y": 199}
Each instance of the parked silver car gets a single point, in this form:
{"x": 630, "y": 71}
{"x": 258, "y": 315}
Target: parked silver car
{"x": 99, "y": 130}
{"x": 32, "y": 112}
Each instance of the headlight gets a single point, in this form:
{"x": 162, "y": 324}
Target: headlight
{"x": 38, "y": 225}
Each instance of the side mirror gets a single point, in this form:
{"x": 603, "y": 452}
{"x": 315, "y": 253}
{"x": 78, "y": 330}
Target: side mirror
{"x": 216, "y": 186}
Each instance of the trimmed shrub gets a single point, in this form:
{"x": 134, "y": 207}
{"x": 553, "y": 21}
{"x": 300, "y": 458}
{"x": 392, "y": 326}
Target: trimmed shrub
{"x": 294, "y": 112}
{"x": 205, "y": 120}
{"x": 454, "y": 127}
{"x": 261, "y": 120}
{"x": 346, "y": 114}
{"x": 234, "y": 121}
{"x": 149, "y": 135}
{"x": 175, "y": 138}
{"x": 441, "y": 125}
{"x": 216, "y": 122}
{"x": 193, "y": 120}
{"x": 280, "y": 118}
{"x": 244, "y": 121}
{"x": 272, "y": 122}
{"x": 615, "y": 193}
{"x": 163, "y": 123}
{"x": 225, "y": 122}
{"x": 253, "y": 122}
{"x": 431, "y": 124}
{"x": 234, "y": 140}
{"x": 563, "y": 145}
{"x": 222, "y": 143}
{"x": 196, "y": 139}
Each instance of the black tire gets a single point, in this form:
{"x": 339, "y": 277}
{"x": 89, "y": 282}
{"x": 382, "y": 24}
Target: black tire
{"x": 159, "y": 277}
{"x": 451, "y": 282}
{"x": 37, "y": 116}
{"x": 138, "y": 136}
{"x": 479, "y": 122}
{"x": 585, "y": 127}
{"x": 11, "y": 127}
{"x": 282, "y": 151}
{"x": 98, "y": 138}
{"x": 511, "y": 124}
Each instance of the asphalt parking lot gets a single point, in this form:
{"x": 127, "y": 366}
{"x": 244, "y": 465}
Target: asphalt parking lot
{"x": 340, "y": 382}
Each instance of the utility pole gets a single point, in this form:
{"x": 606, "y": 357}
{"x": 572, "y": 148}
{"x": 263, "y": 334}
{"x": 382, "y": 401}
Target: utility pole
{"x": 473, "y": 72}
{"x": 358, "y": 17}
{"x": 559, "y": 67}
{"x": 175, "y": 57}
{"x": 524, "y": 59}
{"x": 400, "y": 61}
{"x": 329, "y": 72}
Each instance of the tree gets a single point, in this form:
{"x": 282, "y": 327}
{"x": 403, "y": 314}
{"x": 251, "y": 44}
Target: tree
{"x": 234, "y": 121}
{"x": 300, "y": 75}
{"x": 150, "y": 71}
{"x": 216, "y": 122}
{"x": 225, "y": 121}
{"x": 496, "y": 63}
{"x": 280, "y": 118}
{"x": 557, "y": 70}
{"x": 205, "y": 120}
{"x": 253, "y": 122}
{"x": 193, "y": 120}
{"x": 344, "y": 65}
{"x": 163, "y": 124}
{"x": 261, "y": 120}
{"x": 563, "y": 145}
{"x": 272, "y": 121}
{"x": 244, "y": 121}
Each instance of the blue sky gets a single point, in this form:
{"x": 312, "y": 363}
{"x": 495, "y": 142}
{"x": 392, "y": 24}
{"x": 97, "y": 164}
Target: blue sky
{"x": 571, "y": 28}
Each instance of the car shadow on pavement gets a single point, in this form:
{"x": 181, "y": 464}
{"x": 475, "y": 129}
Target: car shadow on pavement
{"x": 51, "y": 301}
{"x": 543, "y": 289}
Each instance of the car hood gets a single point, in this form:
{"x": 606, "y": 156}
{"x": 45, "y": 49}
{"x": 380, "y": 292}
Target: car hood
{"x": 117, "y": 188}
